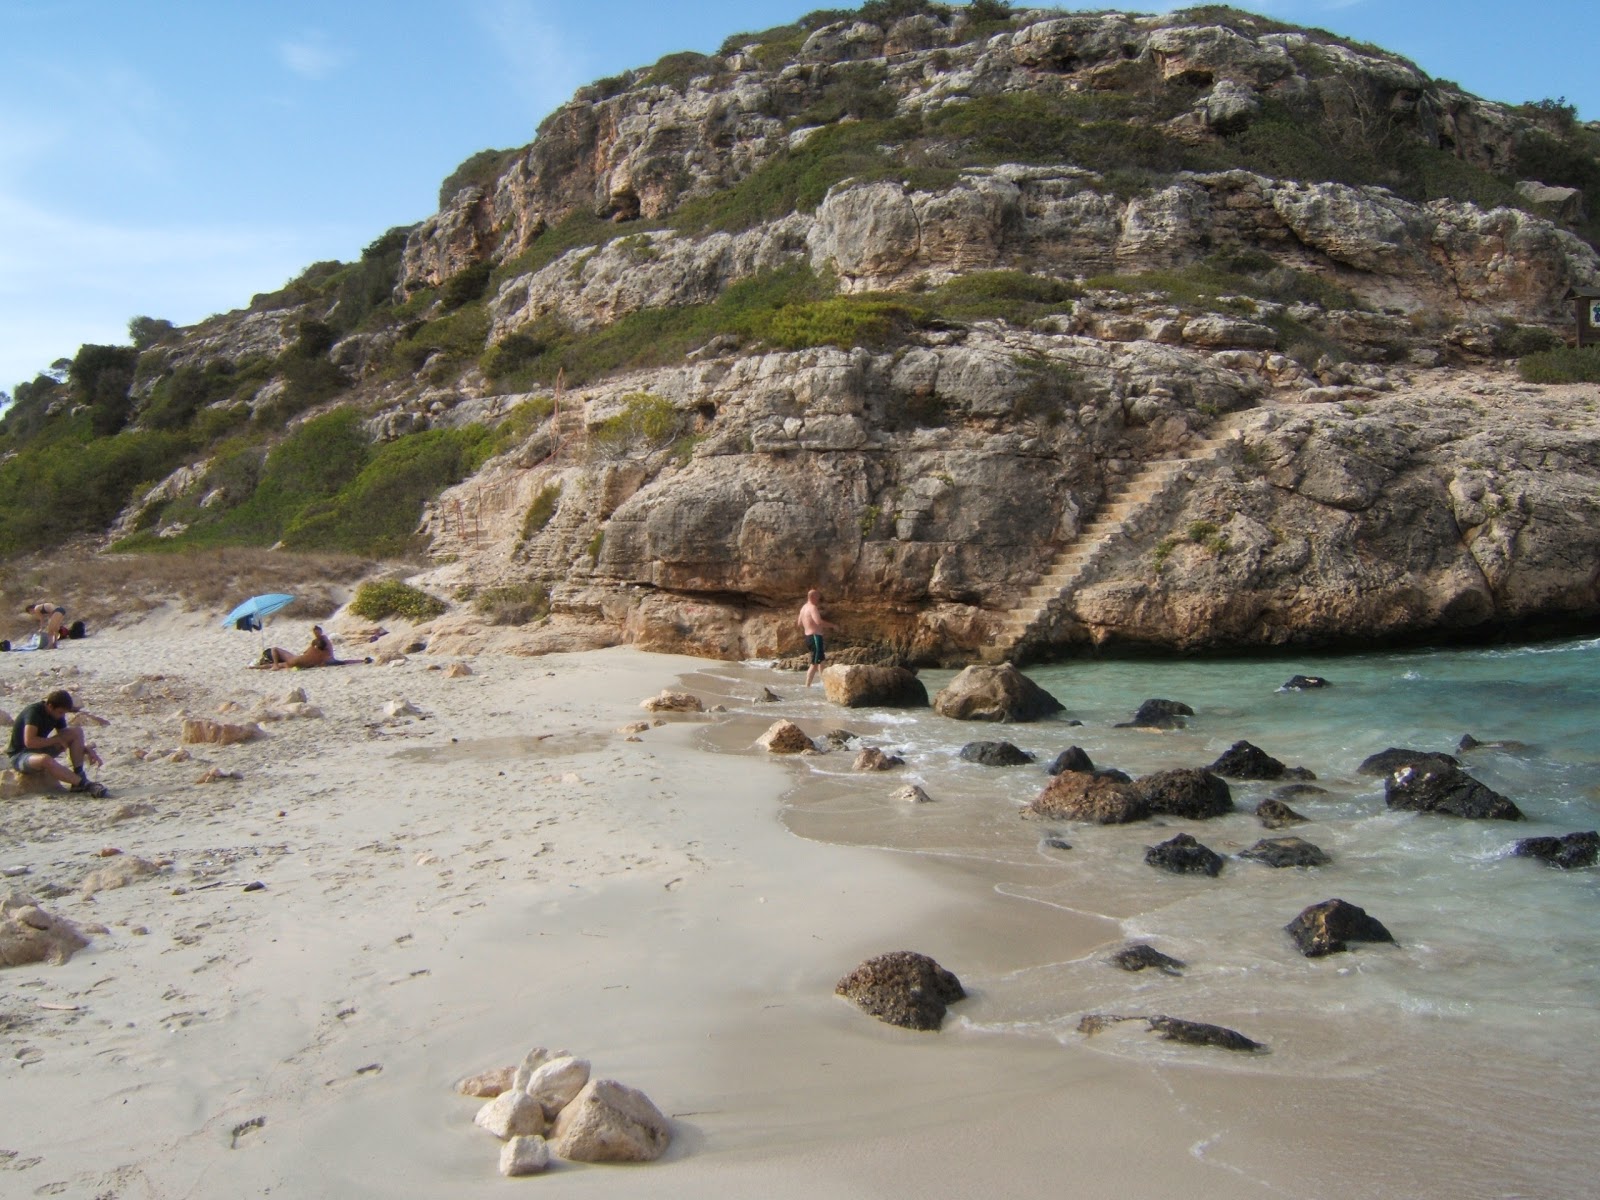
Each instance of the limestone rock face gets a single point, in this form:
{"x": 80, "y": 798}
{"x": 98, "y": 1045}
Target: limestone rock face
{"x": 1000, "y": 693}
{"x": 902, "y": 988}
{"x": 864, "y": 686}
{"x": 607, "y": 1122}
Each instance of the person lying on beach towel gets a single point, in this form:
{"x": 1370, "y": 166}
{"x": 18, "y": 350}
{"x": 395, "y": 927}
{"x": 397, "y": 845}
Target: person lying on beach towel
{"x": 318, "y": 654}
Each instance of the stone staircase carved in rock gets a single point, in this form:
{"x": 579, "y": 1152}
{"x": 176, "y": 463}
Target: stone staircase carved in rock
{"x": 1123, "y": 501}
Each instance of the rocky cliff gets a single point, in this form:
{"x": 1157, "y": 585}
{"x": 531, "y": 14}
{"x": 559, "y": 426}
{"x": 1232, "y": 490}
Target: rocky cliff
{"x": 1066, "y": 253}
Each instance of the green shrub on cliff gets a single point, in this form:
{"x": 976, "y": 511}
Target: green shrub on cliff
{"x": 377, "y": 600}
{"x": 1566, "y": 365}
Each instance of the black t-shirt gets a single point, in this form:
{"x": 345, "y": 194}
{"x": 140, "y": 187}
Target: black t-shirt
{"x": 37, "y": 715}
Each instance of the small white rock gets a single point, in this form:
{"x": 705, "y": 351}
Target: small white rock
{"x": 511, "y": 1114}
{"x": 555, "y": 1083}
{"x": 524, "y": 1156}
{"x": 536, "y": 1058}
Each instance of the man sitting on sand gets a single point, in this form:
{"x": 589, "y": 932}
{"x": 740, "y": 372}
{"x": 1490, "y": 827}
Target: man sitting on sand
{"x": 39, "y": 735}
{"x": 51, "y": 618}
{"x": 812, "y": 624}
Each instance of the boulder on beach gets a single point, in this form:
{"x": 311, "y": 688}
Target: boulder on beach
{"x": 554, "y": 1083}
{"x": 1387, "y": 762}
{"x": 607, "y": 1122}
{"x": 1448, "y": 790}
{"x": 912, "y": 794}
{"x": 1183, "y": 855}
{"x": 1159, "y": 714}
{"x": 902, "y": 988}
{"x": 1073, "y": 758}
{"x": 513, "y": 1113}
{"x": 1194, "y": 794}
{"x": 1275, "y": 814}
{"x": 995, "y": 754}
{"x": 203, "y": 730}
{"x": 524, "y": 1156}
{"x": 1568, "y": 851}
{"x": 1328, "y": 927}
{"x": 29, "y": 934}
{"x": 873, "y": 759}
{"x": 486, "y": 1085}
{"x": 1100, "y": 799}
{"x": 36, "y": 783}
{"x": 859, "y": 685}
{"x": 1286, "y": 852}
{"x": 1245, "y": 761}
{"x": 670, "y": 701}
{"x": 1000, "y": 693}
{"x": 1137, "y": 956}
{"x": 785, "y": 737}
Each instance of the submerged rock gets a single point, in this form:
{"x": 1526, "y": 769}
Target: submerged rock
{"x": 1073, "y": 758}
{"x": 902, "y": 988}
{"x": 1275, "y": 814}
{"x": 995, "y": 754}
{"x": 1568, "y": 851}
{"x": 1182, "y": 855}
{"x": 785, "y": 737}
{"x": 873, "y": 759}
{"x": 1387, "y": 762}
{"x": 1302, "y": 683}
{"x": 1245, "y": 761}
{"x": 1176, "y": 1029}
{"x": 1159, "y": 714}
{"x": 1326, "y": 928}
{"x": 1187, "y": 792}
{"x": 1449, "y": 790}
{"x": 1286, "y": 852}
{"x": 1136, "y": 956}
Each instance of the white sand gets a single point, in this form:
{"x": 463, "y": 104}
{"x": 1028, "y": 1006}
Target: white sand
{"x": 443, "y": 893}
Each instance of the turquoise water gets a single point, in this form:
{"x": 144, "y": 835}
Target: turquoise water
{"x": 1487, "y": 1005}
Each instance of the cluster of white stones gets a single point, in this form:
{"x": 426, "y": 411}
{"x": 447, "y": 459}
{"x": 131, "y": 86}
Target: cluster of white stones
{"x": 549, "y": 1107}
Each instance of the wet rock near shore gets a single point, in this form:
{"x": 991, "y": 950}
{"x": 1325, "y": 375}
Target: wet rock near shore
{"x": 1000, "y": 693}
{"x": 1177, "y": 1029}
{"x": 1302, "y": 683}
{"x": 1073, "y": 758}
{"x": 1448, "y": 790}
{"x": 1329, "y": 927}
{"x": 1286, "y": 852}
{"x": 995, "y": 754}
{"x": 1387, "y": 762}
{"x": 1245, "y": 761}
{"x": 1099, "y": 799}
{"x": 1183, "y": 855}
{"x": 1190, "y": 793}
{"x": 902, "y": 988}
{"x": 785, "y": 737}
{"x": 668, "y": 700}
{"x": 873, "y": 759}
{"x": 1137, "y": 956}
{"x": 1275, "y": 814}
{"x": 1569, "y": 851}
{"x": 1159, "y": 714}
{"x": 865, "y": 686}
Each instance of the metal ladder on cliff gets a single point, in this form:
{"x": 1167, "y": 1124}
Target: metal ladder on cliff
{"x": 1122, "y": 501}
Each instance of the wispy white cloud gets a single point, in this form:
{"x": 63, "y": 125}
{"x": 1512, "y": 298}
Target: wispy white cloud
{"x": 542, "y": 62}
{"x": 311, "y": 56}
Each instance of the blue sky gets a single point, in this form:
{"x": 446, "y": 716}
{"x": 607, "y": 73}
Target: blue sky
{"x": 171, "y": 158}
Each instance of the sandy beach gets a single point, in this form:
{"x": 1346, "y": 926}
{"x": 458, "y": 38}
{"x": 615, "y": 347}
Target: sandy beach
{"x": 459, "y": 865}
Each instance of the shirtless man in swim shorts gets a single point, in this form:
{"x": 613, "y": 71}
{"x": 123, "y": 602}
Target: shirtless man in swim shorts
{"x": 812, "y": 624}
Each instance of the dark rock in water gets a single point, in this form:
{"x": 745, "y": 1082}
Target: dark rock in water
{"x": 1468, "y": 742}
{"x": 1275, "y": 814}
{"x": 903, "y": 988}
{"x": 1187, "y": 792}
{"x": 1182, "y": 855}
{"x": 1198, "y": 1033}
{"x": 839, "y": 737}
{"x": 1174, "y": 1029}
{"x": 1290, "y": 791}
{"x": 1112, "y": 773}
{"x": 1449, "y": 790}
{"x": 1073, "y": 758}
{"x": 1326, "y": 928}
{"x": 768, "y": 696}
{"x": 1244, "y": 761}
{"x": 1136, "y": 956}
{"x": 1301, "y": 683}
{"x": 1056, "y": 843}
{"x": 1286, "y": 852}
{"x": 1387, "y": 762}
{"x": 1159, "y": 714}
{"x": 1074, "y": 796}
{"x": 1566, "y": 852}
{"x": 995, "y": 754}
{"x": 1299, "y": 773}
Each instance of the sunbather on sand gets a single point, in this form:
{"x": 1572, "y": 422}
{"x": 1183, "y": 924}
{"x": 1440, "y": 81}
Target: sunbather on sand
{"x": 320, "y": 651}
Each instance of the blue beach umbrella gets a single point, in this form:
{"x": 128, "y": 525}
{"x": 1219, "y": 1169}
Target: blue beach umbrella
{"x": 248, "y": 615}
